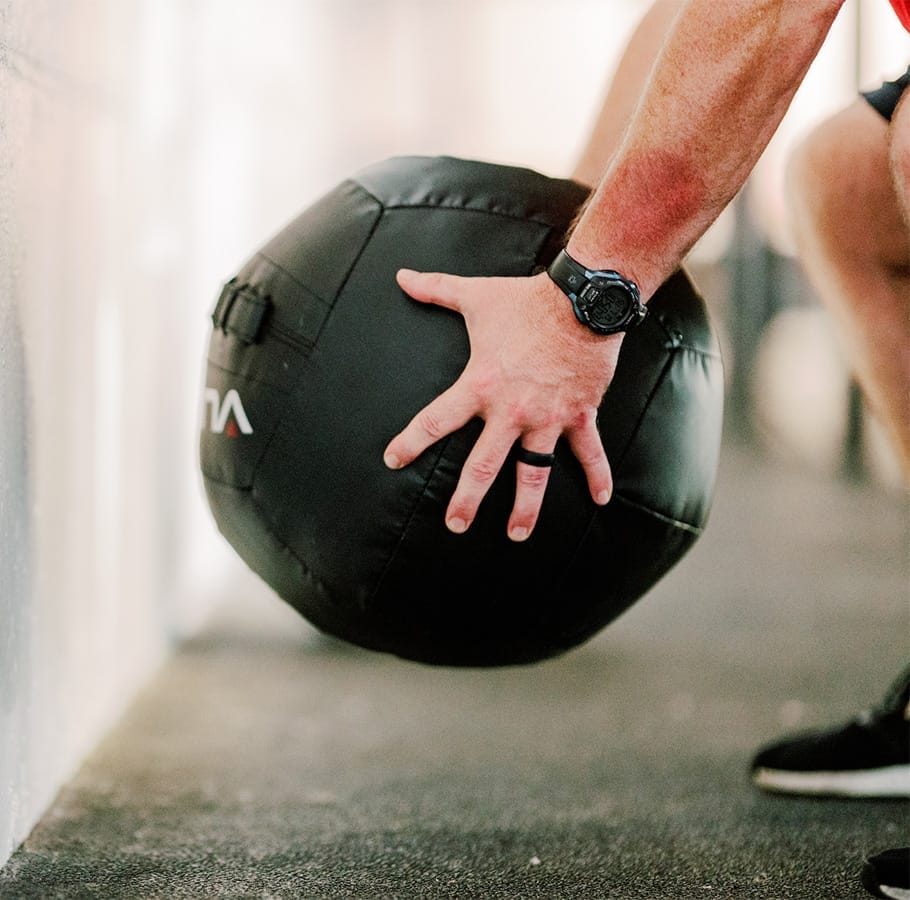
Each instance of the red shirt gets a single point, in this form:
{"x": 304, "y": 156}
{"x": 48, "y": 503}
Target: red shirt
{"x": 902, "y": 8}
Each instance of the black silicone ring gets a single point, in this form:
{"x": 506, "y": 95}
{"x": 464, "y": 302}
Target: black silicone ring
{"x": 531, "y": 458}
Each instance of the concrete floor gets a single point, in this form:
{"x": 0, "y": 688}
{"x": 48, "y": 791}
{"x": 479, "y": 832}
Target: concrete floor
{"x": 266, "y": 762}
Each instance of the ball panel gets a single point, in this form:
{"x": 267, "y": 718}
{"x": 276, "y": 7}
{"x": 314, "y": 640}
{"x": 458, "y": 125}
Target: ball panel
{"x": 627, "y": 550}
{"x": 380, "y": 357}
{"x": 317, "y": 251}
{"x": 444, "y": 181}
{"x": 247, "y": 526}
{"x": 669, "y": 463}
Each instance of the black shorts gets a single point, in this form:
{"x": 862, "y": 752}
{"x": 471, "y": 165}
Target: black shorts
{"x": 884, "y": 100}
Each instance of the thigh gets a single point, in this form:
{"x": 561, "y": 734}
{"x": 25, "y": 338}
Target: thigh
{"x": 899, "y": 158}
{"x": 847, "y": 166}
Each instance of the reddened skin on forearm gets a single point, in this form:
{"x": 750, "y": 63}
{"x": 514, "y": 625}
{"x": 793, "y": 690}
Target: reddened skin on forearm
{"x": 725, "y": 77}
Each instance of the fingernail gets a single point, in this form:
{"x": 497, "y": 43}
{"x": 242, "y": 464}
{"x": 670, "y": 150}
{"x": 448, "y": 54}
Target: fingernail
{"x": 519, "y": 534}
{"x": 392, "y": 461}
{"x": 603, "y": 498}
{"x": 458, "y": 526}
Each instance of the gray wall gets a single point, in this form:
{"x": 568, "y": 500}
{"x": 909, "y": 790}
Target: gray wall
{"x": 51, "y": 211}
{"x": 89, "y": 459}
{"x": 15, "y": 563}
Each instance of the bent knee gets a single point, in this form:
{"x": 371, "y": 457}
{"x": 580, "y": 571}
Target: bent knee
{"x": 845, "y": 153}
{"x": 839, "y": 185}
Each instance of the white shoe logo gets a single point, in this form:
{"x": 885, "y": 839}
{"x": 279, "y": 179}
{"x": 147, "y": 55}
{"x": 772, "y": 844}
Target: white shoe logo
{"x": 227, "y": 417}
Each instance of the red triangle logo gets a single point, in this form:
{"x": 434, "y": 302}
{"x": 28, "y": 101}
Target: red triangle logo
{"x": 232, "y": 430}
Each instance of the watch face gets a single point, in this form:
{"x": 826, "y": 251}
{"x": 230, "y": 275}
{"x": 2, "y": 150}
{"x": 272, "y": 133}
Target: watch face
{"x": 605, "y": 307}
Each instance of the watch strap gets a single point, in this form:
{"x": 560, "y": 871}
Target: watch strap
{"x": 578, "y": 283}
{"x": 571, "y": 276}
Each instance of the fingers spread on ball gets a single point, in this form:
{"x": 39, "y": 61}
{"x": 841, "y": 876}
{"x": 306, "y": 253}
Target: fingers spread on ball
{"x": 447, "y": 413}
{"x": 530, "y": 486}
{"x": 589, "y": 450}
{"x": 480, "y": 470}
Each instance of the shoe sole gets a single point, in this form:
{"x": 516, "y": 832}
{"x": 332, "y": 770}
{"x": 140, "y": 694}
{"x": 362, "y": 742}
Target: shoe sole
{"x": 876, "y": 883}
{"x": 891, "y": 781}
{"x": 870, "y": 881}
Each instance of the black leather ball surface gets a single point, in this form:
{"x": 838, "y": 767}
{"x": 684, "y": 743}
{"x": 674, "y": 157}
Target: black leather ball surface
{"x": 317, "y": 359}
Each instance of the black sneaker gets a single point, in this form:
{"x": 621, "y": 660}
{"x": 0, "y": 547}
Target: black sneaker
{"x": 888, "y": 874}
{"x": 867, "y": 757}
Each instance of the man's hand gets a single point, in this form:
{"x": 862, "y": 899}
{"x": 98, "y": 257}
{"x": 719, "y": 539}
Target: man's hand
{"x": 534, "y": 374}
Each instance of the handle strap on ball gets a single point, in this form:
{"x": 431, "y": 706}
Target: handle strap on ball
{"x": 241, "y": 311}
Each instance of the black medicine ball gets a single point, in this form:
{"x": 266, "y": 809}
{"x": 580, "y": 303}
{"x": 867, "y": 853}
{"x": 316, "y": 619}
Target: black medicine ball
{"x": 317, "y": 359}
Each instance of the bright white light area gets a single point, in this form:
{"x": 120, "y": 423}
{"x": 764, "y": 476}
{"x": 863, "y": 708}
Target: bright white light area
{"x": 801, "y": 384}
{"x": 108, "y": 443}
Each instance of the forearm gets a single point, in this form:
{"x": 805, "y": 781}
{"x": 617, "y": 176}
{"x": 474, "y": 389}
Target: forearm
{"x": 724, "y": 80}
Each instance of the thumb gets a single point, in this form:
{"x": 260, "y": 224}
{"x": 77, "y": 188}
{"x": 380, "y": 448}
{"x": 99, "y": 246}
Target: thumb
{"x": 434, "y": 287}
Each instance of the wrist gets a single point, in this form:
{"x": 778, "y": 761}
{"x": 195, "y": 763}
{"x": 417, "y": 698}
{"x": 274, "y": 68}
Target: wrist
{"x": 602, "y": 300}
{"x": 558, "y": 318}
{"x": 595, "y": 258}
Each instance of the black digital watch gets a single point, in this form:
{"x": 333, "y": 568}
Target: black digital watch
{"x": 602, "y": 300}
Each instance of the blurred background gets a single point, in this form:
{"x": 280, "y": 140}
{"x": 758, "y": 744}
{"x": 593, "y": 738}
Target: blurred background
{"x": 147, "y": 147}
